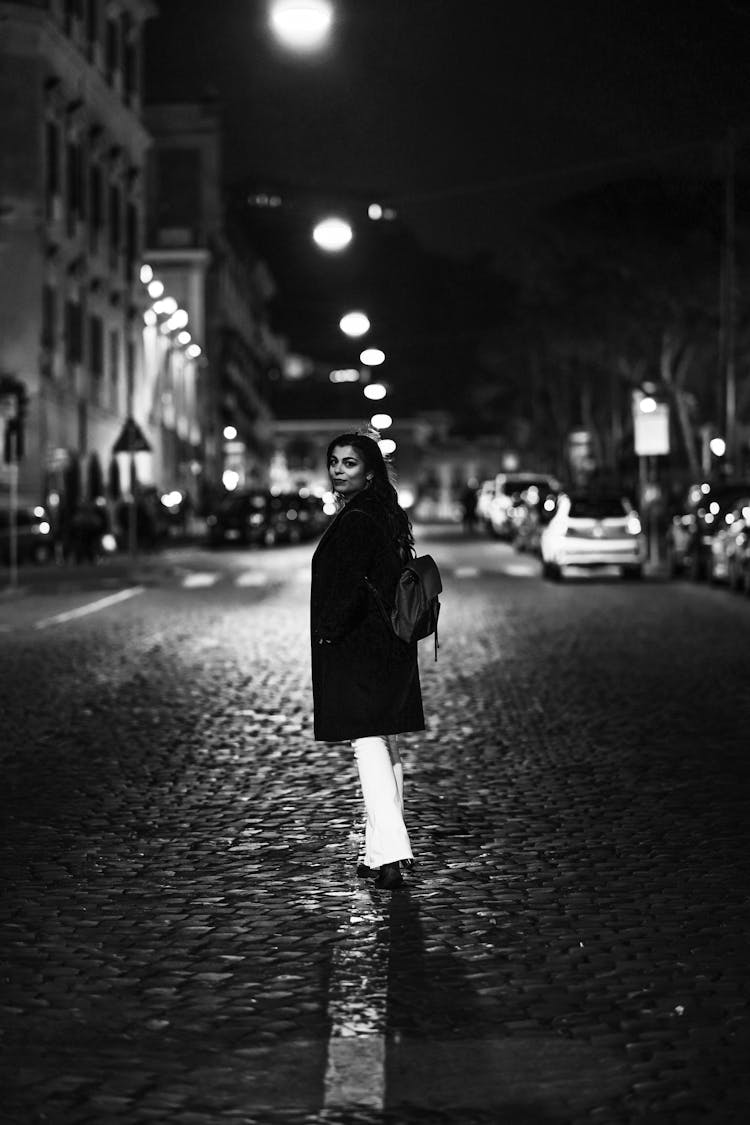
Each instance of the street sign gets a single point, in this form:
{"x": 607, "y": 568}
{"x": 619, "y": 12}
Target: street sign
{"x": 131, "y": 439}
{"x": 650, "y": 427}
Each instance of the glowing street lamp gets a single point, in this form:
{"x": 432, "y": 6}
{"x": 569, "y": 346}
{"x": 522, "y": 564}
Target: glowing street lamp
{"x": 301, "y": 25}
{"x": 381, "y": 421}
{"x": 717, "y": 446}
{"x": 333, "y": 234}
{"x": 372, "y": 357}
{"x": 374, "y": 391}
{"x": 354, "y": 324}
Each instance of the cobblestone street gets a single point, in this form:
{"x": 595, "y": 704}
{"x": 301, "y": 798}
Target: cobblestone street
{"x": 184, "y": 935}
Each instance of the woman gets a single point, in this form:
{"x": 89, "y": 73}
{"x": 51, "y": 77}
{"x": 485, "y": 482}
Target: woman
{"x": 365, "y": 679}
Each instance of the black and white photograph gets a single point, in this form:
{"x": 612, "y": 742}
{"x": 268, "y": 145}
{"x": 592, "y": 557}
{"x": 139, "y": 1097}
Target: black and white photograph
{"x": 375, "y": 562}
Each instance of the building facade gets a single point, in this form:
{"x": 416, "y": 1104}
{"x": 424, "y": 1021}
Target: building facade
{"x": 207, "y": 265}
{"x": 72, "y": 199}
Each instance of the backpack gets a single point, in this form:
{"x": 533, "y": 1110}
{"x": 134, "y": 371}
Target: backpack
{"x": 416, "y": 607}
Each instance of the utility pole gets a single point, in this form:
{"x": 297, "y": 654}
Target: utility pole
{"x": 729, "y": 309}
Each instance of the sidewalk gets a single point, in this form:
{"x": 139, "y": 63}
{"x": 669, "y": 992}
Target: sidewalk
{"x": 144, "y": 568}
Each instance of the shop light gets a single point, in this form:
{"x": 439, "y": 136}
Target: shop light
{"x": 146, "y": 275}
{"x": 193, "y": 351}
{"x": 155, "y": 288}
{"x": 184, "y": 337}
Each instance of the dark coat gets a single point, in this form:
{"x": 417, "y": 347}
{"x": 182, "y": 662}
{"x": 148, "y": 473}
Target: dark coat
{"x": 365, "y": 679}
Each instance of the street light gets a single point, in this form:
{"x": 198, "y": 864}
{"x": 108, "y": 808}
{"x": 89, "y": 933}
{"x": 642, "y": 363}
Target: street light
{"x": 374, "y": 391}
{"x": 302, "y": 25}
{"x": 333, "y": 234}
{"x": 372, "y": 357}
{"x": 381, "y": 421}
{"x": 354, "y": 324}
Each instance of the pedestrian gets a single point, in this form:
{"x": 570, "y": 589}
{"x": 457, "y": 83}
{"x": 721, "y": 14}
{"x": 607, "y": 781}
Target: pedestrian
{"x": 469, "y": 505}
{"x": 365, "y": 679}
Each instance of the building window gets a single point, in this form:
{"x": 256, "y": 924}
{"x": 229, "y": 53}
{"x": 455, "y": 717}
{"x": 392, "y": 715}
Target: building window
{"x": 130, "y": 368}
{"x": 71, "y": 12}
{"x": 115, "y": 223}
{"x": 128, "y": 54}
{"x": 96, "y": 206}
{"x": 114, "y": 366}
{"x": 73, "y": 332}
{"x": 92, "y": 24}
{"x": 112, "y": 50}
{"x": 49, "y": 316}
{"x": 74, "y": 165}
{"x": 52, "y": 145}
{"x": 96, "y": 346}
{"x": 131, "y": 241}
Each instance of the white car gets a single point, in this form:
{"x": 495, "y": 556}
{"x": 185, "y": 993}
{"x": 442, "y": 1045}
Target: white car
{"x": 593, "y": 530}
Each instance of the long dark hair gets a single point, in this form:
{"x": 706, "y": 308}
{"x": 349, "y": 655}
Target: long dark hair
{"x": 381, "y": 487}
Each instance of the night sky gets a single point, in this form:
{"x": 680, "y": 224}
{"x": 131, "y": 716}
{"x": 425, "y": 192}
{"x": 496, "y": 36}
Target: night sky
{"x": 467, "y": 114}
{"x": 474, "y": 119}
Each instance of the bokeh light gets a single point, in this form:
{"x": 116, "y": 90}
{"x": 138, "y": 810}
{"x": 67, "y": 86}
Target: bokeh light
{"x": 372, "y": 357}
{"x": 302, "y": 25}
{"x": 354, "y": 324}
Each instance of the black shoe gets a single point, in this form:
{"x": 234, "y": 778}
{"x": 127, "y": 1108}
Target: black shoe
{"x": 390, "y": 877}
{"x": 365, "y": 872}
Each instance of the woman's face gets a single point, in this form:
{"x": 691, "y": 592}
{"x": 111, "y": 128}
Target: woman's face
{"x": 347, "y": 471}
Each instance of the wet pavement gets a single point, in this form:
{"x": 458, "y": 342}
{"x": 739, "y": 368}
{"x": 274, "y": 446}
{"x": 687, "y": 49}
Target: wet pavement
{"x": 184, "y": 936}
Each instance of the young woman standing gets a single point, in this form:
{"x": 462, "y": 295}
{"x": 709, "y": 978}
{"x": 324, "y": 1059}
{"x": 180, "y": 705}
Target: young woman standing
{"x": 366, "y": 687}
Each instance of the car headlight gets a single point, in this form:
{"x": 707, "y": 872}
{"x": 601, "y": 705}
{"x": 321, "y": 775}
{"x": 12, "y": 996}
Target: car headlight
{"x": 633, "y": 525}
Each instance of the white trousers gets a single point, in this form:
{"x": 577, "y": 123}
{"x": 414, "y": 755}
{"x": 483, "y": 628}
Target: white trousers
{"x": 381, "y": 776}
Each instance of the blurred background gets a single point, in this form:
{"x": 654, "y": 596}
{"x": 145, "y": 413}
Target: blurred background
{"x": 513, "y": 239}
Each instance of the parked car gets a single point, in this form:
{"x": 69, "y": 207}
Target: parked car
{"x": 593, "y": 530}
{"x": 729, "y": 546}
{"x": 510, "y": 491}
{"x": 530, "y": 519}
{"x": 292, "y": 517}
{"x": 691, "y": 530}
{"x": 33, "y": 535}
{"x": 260, "y": 516}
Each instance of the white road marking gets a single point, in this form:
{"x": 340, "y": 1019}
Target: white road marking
{"x": 92, "y": 607}
{"x": 252, "y": 578}
{"x": 466, "y": 572}
{"x": 200, "y": 578}
{"x": 357, "y": 999}
{"x": 521, "y": 570}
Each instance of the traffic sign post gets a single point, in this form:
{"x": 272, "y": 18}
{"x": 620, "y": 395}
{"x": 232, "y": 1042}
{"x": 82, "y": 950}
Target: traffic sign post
{"x": 132, "y": 440}
{"x": 651, "y": 438}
